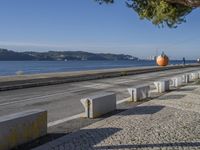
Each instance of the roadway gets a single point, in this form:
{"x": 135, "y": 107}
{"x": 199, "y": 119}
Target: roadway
{"x": 63, "y": 100}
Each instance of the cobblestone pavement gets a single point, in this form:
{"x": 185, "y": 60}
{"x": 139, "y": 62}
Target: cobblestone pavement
{"x": 171, "y": 121}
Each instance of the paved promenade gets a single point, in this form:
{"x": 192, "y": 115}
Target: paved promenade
{"x": 171, "y": 121}
{"x": 63, "y": 100}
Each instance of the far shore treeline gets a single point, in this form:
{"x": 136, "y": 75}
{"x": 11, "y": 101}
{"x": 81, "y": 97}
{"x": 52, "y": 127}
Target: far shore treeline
{"x": 9, "y": 55}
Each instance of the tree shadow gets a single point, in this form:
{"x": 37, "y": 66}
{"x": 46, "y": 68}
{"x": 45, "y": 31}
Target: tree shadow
{"x": 102, "y": 133}
{"x": 82, "y": 139}
{"x": 161, "y": 145}
{"x": 39, "y": 141}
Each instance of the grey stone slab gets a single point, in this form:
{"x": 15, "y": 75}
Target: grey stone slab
{"x": 23, "y": 127}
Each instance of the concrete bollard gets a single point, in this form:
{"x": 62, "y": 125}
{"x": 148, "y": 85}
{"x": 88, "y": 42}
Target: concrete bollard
{"x": 23, "y": 127}
{"x": 162, "y": 85}
{"x": 186, "y": 78}
{"x": 199, "y": 74}
{"x": 100, "y": 104}
{"x": 177, "y": 81}
{"x": 139, "y": 92}
{"x": 194, "y": 76}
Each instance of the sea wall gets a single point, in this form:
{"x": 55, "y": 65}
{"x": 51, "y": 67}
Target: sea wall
{"x": 27, "y": 81}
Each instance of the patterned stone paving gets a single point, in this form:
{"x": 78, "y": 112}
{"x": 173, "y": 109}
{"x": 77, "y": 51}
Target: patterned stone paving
{"x": 168, "y": 122}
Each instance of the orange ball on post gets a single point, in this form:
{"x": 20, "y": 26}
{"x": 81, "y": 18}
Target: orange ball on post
{"x": 162, "y": 60}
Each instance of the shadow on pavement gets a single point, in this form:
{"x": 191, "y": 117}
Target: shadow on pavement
{"x": 186, "y": 89}
{"x": 175, "y": 145}
{"x": 82, "y": 139}
{"x": 65, "y": 129}
{"x": 144, "y": 110}
{"x": 171, "y": 97}
{"x": 77, "y": 124}
{"x": 47, "y": 138}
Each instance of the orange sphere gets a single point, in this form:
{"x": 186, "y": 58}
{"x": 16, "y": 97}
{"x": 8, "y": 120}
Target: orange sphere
{"x": 162, "y": 60}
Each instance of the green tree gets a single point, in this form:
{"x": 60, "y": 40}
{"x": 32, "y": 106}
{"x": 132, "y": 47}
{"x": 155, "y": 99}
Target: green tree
{"x": 161, "y": 12}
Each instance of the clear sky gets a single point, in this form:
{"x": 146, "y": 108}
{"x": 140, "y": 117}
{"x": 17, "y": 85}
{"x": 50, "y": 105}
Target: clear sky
{"x": 41, "y": 25}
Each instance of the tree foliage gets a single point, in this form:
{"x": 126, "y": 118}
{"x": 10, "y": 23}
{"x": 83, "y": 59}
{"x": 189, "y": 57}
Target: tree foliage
{"x": 159, "y": 12}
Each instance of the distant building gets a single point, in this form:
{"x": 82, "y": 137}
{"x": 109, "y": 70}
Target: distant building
{"x": 151, "y": 58}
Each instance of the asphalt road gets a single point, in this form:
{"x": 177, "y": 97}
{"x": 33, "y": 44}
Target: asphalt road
{"x": 63, "y": 100}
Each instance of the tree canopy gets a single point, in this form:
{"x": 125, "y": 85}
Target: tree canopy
{"x": 161, "y": 12}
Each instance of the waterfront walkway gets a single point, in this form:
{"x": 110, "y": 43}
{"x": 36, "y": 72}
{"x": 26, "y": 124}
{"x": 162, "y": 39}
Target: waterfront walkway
{"x": 171, "y": 121}
{"x": 62, "y": 101}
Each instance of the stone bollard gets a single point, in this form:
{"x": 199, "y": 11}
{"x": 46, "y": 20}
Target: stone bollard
{"x": 199, "y": 74}
{"x": 139, "y": 92}
{"x": 100, "y": 104}
{"x": 186, "y": 78}
{"x": 162, "y": 85}
{"x": 177, "y": 81}
{"x": 194, "y": 76}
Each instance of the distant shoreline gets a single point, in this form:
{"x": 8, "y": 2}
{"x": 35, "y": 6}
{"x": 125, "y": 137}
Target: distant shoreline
{"x": 11, "y": 55}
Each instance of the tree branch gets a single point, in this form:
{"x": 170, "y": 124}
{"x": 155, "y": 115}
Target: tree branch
{"x": 189, "y": 3}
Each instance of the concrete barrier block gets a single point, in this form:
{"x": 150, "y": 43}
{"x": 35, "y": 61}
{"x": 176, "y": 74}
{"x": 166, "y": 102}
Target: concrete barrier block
{"x": 23, "y": 127}
{"x": 100, "y": 104}
{"x": 194, "y": 76}
{"x": 186, "y": 78}
{"x": 177, "y": 81}
{"x": 162, "y": 85}
{"x": 139, "y": 92}
{"x": 198, "y": 74}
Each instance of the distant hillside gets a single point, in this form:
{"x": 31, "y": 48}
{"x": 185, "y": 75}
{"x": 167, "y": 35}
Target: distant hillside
{"x": 8, "y": 55}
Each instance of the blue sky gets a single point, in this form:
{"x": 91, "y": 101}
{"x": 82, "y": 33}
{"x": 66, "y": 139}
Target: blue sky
{"x": 42, "y": 25}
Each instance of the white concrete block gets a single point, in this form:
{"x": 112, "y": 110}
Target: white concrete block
{"x": 177, "y": 81}
{"x": 100, "y": 104}
{"x": 199, "y": 74}
{"x": 162, "y": 85}
{"x": 186, "y": 78}
{"x": 139, "y": 92}
{"x": 194, "y": 76}
{"x": 23, "y": 127}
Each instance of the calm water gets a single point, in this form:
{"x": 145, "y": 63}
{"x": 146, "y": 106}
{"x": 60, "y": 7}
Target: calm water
{"x": 33, "y": 67}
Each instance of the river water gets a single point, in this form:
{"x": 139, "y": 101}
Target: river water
{"x": 34, "y": 67}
